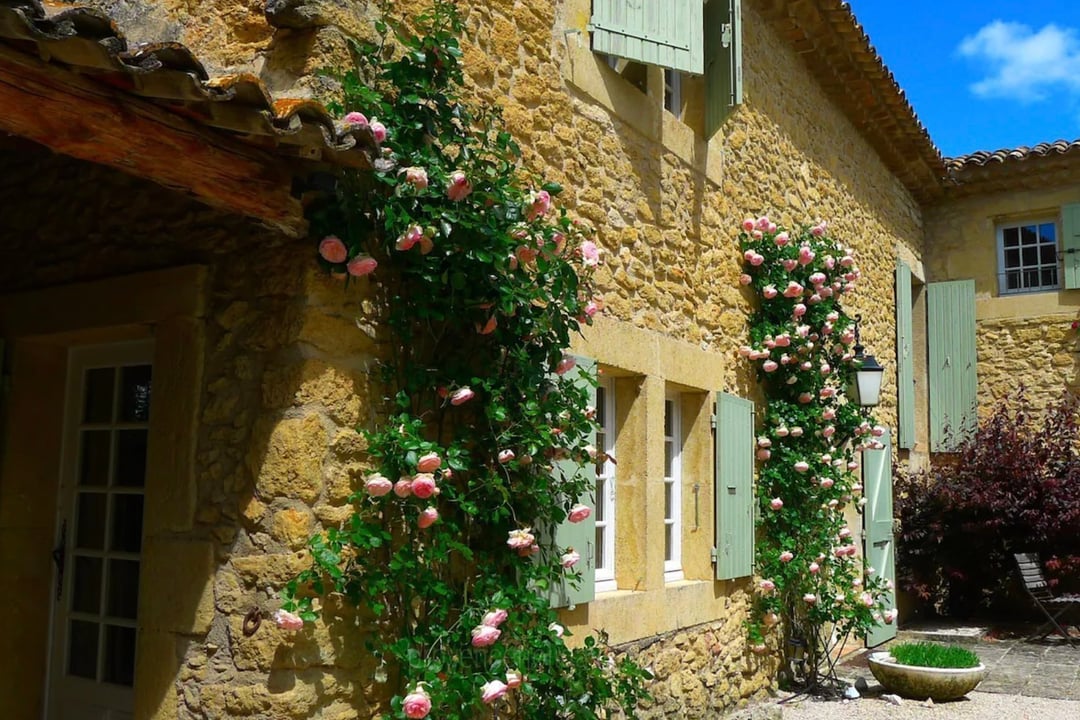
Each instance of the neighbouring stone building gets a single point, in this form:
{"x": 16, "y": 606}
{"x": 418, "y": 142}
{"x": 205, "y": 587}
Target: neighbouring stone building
{"x": 152, "y": 229}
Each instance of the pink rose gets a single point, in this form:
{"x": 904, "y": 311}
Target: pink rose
{"x": 590, "y": 253}
{"x": 495, "y": 618}
{"x": 332, "y": 249}
{"x": 796, "y": 431}
{"x": 776, "y": 503}
{"x": 378, "y": 130}
{"x": 428, "y": 517}
{"x": 591, "y": 308}
{"x": 357, "y": 118}
{"x": 828, "y": 431}
{"x": 748, "y": 224}
{"x": 809, "y": 598}
{"x": 787, "y": 556}
{"x": 377, "y": 485}
{"x": 764, "y": 442}
{"x": 806, "y": 255}
{"x": 287, "y": 620}
{"x": 462, "y": 395}
{"x": 770, "y": 619}
{"x": 767, "y": 586}
{"x": 826, "y": 482}
{"x": 756, "y": 259}
{"x": 361, "y": 265}
{"x": 762, "y": 223}
{"x": 559, "y": 242}
{"x": 411, "y": 236}
{"x": 458, "y": 187}
{"x": 819, "y": 229}
{"x": 782, "y": 431}
{"x": 799, "y": 310}
{"x": 781, "y": 239}
{"x": 417, "y": 177}
{"x": 801, "y": 466}
{"x": 793, "y": 290}
{"x": 790, "y": 264}
{"x": 578, "y": 513}
{"x": 423, "y": 485}
{"x": 889, "y": 616}
{"x": 828, "y": 414}
{"x": 403, "y": 487}
{"x": 783, "y": 340}
{"x": 764, "y": 454}
{"x": 806, "y": 397}
{"x": 769, "y": 291}
{"x": 522, "y": 539}
{"x": 844, "y": 533}
{"x": 565, "y": 365}
{"x": 506, "y": 456}
{"x": 539, "y": 204}
{"x": 514, "y": 678}
{"x": 569, "y": 559}
{"x": 745, "y": 351}
{"x": 429, "y": 462}
{"x": 485, "y": 635}
{"x": 814, "y": 567}
{"x": 769, "y": 366}
{"x": 805, "y": 365}
{"x": 827, "y": 392}
{"x": 847, "y": 261}
{"x": 416, "y": 704}
{"x": 557, "y": 629}
{"x": 492, "y": 691}
{"x": 877, "y": 431}
{"x": 745, "y": 279}
{"x": 817, "y": 278}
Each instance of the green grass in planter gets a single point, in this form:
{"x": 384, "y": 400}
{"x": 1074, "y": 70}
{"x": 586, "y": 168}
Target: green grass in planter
{"x": 927, "y": 654}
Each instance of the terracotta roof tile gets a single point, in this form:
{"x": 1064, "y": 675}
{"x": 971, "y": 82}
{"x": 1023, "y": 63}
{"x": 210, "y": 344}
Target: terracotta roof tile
{"x": 983, "y": 158}
{"x": 170, "y": 76}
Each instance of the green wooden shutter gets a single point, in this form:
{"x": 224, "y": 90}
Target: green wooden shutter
{"x": 667, "y": 33}
{"x": 579, "y": 536}
{"x": 951, "y": 345}
{"x": 734, "y": 489}
{"x": 723, "y": 61}
{"x": 905, "y": 366}
{"x": 880, "y": 549}
{"x": 1070, "y": 244}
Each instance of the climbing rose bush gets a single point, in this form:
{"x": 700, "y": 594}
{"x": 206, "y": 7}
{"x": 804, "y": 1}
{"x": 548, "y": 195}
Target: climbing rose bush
{"x": 482, "y": 281}
{"x": 808, "y": 444}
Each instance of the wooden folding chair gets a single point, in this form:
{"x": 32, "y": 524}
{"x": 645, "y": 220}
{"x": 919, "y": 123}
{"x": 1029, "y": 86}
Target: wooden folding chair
{"x": 1052, "y": 607}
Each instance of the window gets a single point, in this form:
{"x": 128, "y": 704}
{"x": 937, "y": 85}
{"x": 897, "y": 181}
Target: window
{"x": 605, "y": 486}
{"x": 672, "y": 489}
{"x": 1028, "y": 257}
{"x": 673, "y": 92}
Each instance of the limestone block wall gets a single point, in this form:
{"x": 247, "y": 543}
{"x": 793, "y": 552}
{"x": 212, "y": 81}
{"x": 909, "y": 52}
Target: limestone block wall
{"x": 1022, "y": 339}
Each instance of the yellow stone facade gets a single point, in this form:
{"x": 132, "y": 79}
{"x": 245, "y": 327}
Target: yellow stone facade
{"x": 272, "y": 363}
{"x": 1025, "y": 338}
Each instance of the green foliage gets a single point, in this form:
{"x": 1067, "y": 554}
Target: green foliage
{"x": 808, "y": 442}
{"x": 484, "y": 283}
{"x": 933, "y": 655}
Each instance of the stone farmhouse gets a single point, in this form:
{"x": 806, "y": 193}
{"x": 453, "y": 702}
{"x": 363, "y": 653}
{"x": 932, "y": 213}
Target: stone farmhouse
{"x": 153, "y": 154}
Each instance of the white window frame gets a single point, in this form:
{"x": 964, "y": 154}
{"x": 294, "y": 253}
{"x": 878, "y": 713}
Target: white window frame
{"x": 605, "y": 501}
{"x": 673, "y": 92}
{"x": 1003, "y": 284}
{"x": 673, "y": 566}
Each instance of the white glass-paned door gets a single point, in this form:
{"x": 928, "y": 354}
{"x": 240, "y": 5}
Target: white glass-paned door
{"x": 605, "y": 486}
{"x": 100, "y": 532}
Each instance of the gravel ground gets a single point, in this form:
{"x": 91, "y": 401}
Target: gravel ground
{"x": 977, "y": 706}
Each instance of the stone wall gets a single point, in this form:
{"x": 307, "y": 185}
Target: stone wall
{"x": 1021, "y": 339}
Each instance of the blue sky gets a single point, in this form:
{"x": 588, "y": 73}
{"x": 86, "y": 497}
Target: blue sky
{"x": 982, "y": 74}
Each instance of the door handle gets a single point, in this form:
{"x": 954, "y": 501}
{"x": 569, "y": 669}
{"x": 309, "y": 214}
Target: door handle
{"x": 59, "y": 555}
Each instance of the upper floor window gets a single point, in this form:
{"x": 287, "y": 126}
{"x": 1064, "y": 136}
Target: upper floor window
{"x": 1028, "y": 257}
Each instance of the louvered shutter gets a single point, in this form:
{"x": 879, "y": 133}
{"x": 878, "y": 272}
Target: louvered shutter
{"x": 734, "y": 491}
{"x": 579, "y": 536}
{"x": 1070, "y": 244}
{"x": 952, "y": 355}
{"x": 723, "y": 61}
{"x": 667, "y": 33}
{"x": 905, "y": 366}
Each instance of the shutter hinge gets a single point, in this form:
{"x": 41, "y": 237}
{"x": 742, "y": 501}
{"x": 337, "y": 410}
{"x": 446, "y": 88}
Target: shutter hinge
{"x": 712, "y": 555}
{"x": 712, "y": 421}
{"x": 726, "y": 33}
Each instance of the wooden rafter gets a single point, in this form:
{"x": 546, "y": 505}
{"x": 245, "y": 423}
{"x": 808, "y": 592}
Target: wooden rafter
{"x": 76, "y": 116}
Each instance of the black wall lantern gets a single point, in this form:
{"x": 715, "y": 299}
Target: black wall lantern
{"x": 866, "y": 388}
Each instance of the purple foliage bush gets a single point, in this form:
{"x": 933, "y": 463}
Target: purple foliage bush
{"x": 1013, "y": 487}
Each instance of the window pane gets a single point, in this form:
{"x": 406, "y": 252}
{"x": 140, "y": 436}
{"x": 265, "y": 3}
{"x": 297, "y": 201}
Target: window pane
{"x": 1012, "y": 258}
{"x": 119, "y": 655}
{"x": 94, "y": 464}
{"x": 600, "y": 547}
{"x": 669, "y": 458}
{"x": 90, "y": 521}
{"x": 1011, "y": 237}
{"x": 1031, "y": 278}
{"x": 123, "y": 599}
{"x": 1049, "y": 277}
{"x": 668, "y": 533}
{"x": 135, "y": 393}
{"x": 127, "y": 517}
{"x": 1030, "y": 256}
{"x": 82, "y": 649}
{"x": 86, "y": 588}
{"x": 99, "y": 395}
{"x": 1028, "y": 235}
{"x": 1048, "y": 233}
{"x": 131, "y": 458}
{"x": 669, "y": 410}
{"x": 601, "y": 493}
{"x": 601, "y": 406}
{"x": 669, "y": 490}
{"x": 1048, "y": 254}
{"x": 1013, "y": 280}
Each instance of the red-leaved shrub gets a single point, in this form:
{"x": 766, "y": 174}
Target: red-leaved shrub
{"x": 1013, "y": 487}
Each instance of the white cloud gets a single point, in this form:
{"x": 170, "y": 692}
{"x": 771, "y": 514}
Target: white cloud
{"x": 1022, "y": 64}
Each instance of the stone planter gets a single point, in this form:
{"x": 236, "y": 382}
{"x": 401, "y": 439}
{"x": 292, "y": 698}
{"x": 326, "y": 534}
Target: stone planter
{"x": 919, "y": 683}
